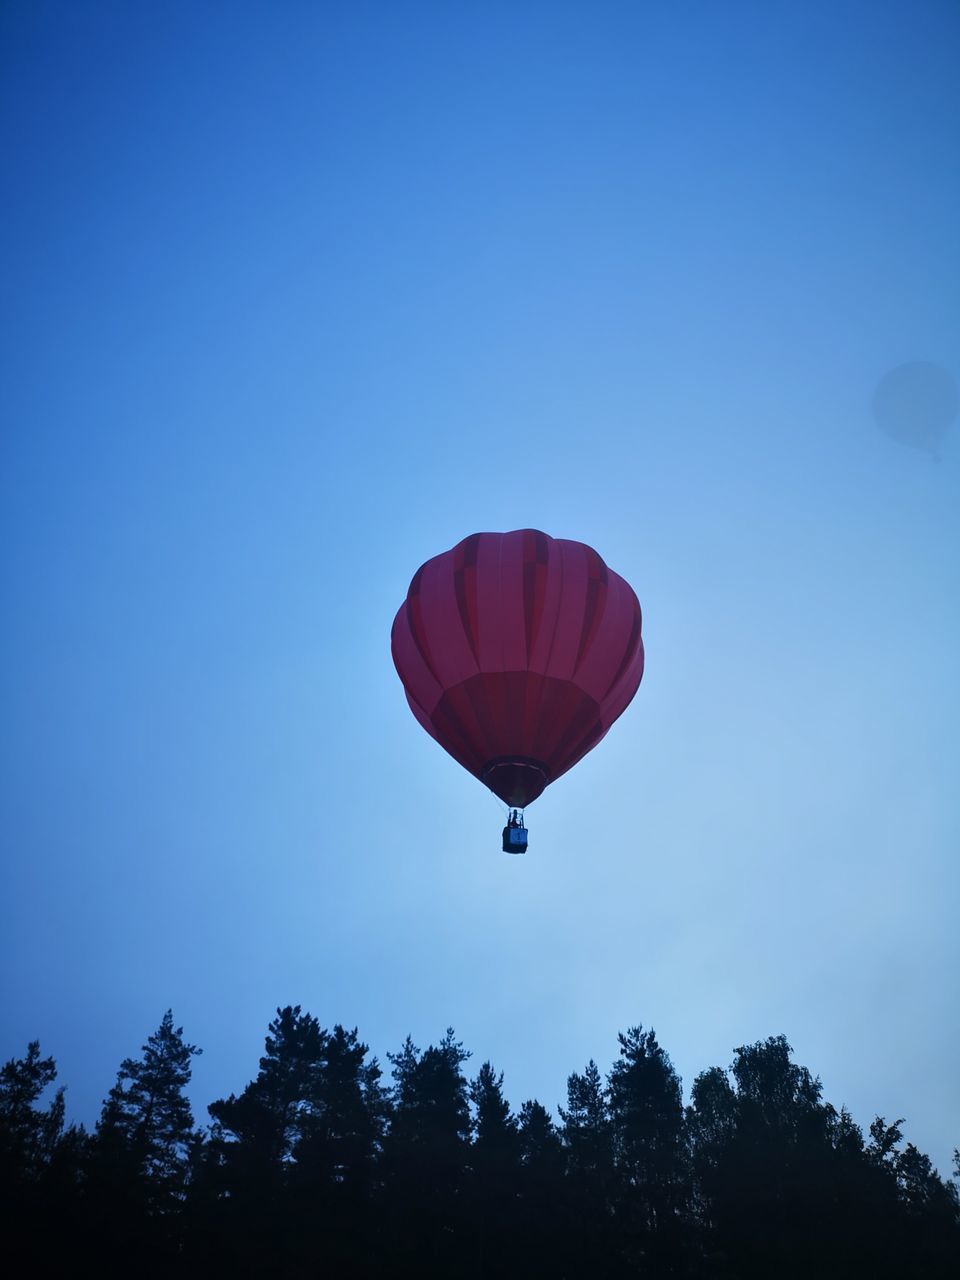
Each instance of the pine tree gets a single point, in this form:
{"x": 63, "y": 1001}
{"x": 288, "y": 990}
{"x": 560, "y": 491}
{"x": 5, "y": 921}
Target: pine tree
{"x": 430, "y": 1096}
{"x": 494, "y": 1126}
{"x": 646, "y": 1111}
{"x": 274, "y": 1112}
{"x": 343, "y": 1130}
{"x": 588, "y": 1142}
{"x": 539, "y": 1141}
{"x": 250, "y": 1165}
{"x": 146, "y": 1126}
{"x": 425, "y": 1155}
{"x": 646, "y": 1118}
{"x": 334, "y": 1181}
{"x": 586, "y": 1124}
{"x": 495, "y": 1167}
{"x": 28, "y": 1134}
{"x": 40, "y": 1164}
{"x": 542, "y": 1193}
{"x": 293, "y": 1159}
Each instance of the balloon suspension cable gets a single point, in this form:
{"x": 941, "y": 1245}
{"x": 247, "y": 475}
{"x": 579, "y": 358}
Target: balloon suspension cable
{"x": 504, "y": 809}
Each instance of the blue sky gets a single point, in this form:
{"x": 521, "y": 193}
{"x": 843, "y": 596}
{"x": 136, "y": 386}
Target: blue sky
{"x": 297, "y": 296}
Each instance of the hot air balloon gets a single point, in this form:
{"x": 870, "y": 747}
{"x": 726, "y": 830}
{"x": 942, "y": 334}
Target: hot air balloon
{"x": 517, "y": 653}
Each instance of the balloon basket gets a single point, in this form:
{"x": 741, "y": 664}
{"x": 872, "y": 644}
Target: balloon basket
{"x": 515, "y": 833}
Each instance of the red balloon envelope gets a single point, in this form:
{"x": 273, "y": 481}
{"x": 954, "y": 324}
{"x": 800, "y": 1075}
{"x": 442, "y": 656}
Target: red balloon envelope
{"x": 517, "y": 652}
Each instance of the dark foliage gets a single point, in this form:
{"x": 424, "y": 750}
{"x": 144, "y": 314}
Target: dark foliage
{"x": 317, "y": 1169}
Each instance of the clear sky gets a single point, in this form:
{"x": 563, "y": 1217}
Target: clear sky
{"x": 297, "y": 295}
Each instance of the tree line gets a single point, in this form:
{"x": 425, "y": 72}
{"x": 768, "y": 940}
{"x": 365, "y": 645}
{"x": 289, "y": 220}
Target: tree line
{"x": 325, "y": 1166}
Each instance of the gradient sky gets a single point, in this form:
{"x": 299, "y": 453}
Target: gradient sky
{"x": 295, "y": 296}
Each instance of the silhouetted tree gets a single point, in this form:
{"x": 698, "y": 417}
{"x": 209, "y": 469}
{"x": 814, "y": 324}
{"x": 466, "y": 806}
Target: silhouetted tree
{"x": 250, "y": 1162}
{"x": 425, "y": 1157}
{"x": 274, "y": 1111}
{"x": 754, "y": 1150}
{"x": 932, "y": 1216}
{"x": 40, "y": 1163}
{"x": 28, "y": 1134}
{"x": 139, "y": 1161}
{"x": 711, "y": 1129}
{"x": 541, "y": 1244}
{"x": 784, "y": 1184}
{"x": 884, "y": 1140}
{"x": 335, "y": 1175}
{"x": 147, "y": 1120}
{"x": 586, "y": 1124}
{"x": 315, "y": 1169}
{"x": 495, "y": 1163}
{"x": 343, "y": 1126}
{"x": 646, "y": 1122}
{"x": 540, "y": 1144}
{"x": 588, "y": 1139}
